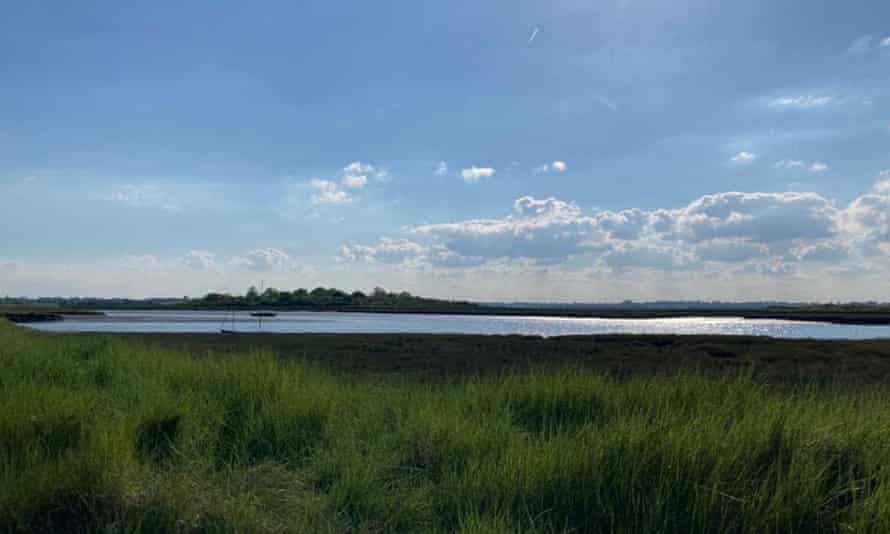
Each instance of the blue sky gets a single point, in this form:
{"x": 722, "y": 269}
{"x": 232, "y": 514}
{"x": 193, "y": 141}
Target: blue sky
{"x": 560, "y": 150}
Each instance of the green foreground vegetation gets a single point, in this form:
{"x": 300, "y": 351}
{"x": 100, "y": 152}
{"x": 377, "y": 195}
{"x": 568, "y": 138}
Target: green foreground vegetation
{"x": 99, "y": 433}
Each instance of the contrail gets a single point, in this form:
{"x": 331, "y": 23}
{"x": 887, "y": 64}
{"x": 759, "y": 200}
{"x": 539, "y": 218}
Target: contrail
{"x": 606, "y": 102}
{"x": 534, "y": 34}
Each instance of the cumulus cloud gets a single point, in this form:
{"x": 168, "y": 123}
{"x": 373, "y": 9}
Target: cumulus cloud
{"x": 556, "y": 166}
{"x": 474, "y": 174}
{"x": 263, "y": 259}
{"x": 536, "y": 229}
{"x": 771, "y": 230}
{"x": 730, "y": 250}
{"x": 199, "y": 259}
{"x": 646, "y": 256}
{"x": 801, "y": 102}
{"x": 829, "y": 251}
{"x": 355, "y": 181}
{"x": 385, "y": 251}
{"x": 868, "y": 217}
{"x": 761, "y": 217}
{"x": 747, "y": 223}
{"x": 355, "y": 175}
{"x": 328, "y": 192}
{"x": 744, "y": 157}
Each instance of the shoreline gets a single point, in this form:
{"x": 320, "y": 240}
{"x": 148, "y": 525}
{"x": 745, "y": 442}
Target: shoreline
{"x": 846, "y": 318}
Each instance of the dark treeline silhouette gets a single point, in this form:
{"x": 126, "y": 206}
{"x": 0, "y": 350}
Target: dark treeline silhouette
{"x": 320, "y": 298}
{"x": 325, "y": 298}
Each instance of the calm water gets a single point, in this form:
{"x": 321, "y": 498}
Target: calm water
{"x": 328, "y": 322}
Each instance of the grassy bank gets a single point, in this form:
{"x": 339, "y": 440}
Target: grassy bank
{"x": 115, "y": 435}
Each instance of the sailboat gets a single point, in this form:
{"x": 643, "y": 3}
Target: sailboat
{"x": 262, "y": 313}
{"x": 231, "y": 318}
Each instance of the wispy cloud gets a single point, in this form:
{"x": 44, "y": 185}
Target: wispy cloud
{"x": 790, "y": 164}
{"x": 606, "y": 102}
{"x": 861, "y": 45}
{"x": 744, "y": 157}
{"x": 556, "y": 166}
{"x": 441, "y": 169}
{"x": 866, "y": 43}
{"x": 474, "y": 174}
{"x": 533, "y": 35}
{"x": 328, "y": 192}
{"x": 801, "y": 102}
{"x": 144, "y": 196}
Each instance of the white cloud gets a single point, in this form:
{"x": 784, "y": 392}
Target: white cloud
{"x": 385, "y": 251}
{"x": 547, "y": 228}
{"x": 801, "y": 102}
{"x": 882, "y": 187}
{"x": 474, "y": 174}
{"x": 868, "y": 216}
{"x": 263, "y": 259}
{"x": 355, "y": 175}
{"x": 829, "y": 251}
{"x": 789, "y": 164}
{"x": 730, "y": 250}
{"x": 885, "y": 42}
{"x": 199, "y": 259}
{"x": 441, "y": 169}
{"x": 757, "y": 217}
{"x": 355, "y": 181}
{"x": 144, "y": 196}
{"x": 328, "y": 192}
{"x": 744, "y": 157}
{"x": 556, "y": 166}
{"x": 770, "y": 229}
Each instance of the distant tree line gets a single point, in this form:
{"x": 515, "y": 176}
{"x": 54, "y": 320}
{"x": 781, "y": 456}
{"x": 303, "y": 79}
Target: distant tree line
{"x": 324, "y": 298}
{"x": 320, "y": 298}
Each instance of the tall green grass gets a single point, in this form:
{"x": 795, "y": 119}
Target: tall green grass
{"x": 101, "y": 435}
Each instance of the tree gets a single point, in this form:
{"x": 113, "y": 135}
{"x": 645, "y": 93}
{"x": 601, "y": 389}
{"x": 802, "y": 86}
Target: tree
{"x": 271, "y": 293}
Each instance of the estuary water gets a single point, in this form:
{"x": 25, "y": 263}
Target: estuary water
{"x": 378, "y": 323}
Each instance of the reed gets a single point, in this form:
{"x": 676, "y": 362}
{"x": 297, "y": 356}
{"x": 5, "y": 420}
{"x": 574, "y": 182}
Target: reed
{"x": 100, "y": 434}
